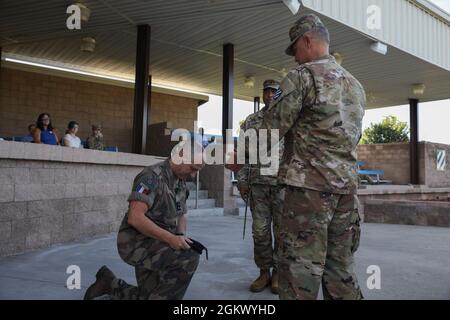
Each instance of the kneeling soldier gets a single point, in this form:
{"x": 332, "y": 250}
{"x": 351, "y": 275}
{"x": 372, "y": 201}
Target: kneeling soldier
{"x": 152, "y": 237}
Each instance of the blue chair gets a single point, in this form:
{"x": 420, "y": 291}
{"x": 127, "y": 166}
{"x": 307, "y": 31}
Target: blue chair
{"x": 371, "y": 176}
{"x": 112, "y": 149}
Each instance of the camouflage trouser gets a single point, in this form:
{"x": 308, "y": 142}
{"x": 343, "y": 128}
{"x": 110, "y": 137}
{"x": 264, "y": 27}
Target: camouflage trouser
{"x": 266, "y": 204}
{"x": 170, "y": 282}
{"x": 319, "y": 234}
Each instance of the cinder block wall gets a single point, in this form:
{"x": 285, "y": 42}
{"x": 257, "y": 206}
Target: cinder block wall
{"x": 24, "y": 95}
{"x": 51, "y": 194}
{"x": 393, "y": 158}
{"x": 433, "y": 177}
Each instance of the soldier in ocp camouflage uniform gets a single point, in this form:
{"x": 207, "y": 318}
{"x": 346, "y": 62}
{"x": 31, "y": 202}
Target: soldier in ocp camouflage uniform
{"x": 95, "y": 140}
{"x": 266, "y": 204}
{"x": 152, "y": 238}
{"x": 318, "y": 110}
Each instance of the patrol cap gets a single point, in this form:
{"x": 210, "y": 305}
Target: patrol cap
{"x": 271, "y": 84}
{"x": 309, "y": 22}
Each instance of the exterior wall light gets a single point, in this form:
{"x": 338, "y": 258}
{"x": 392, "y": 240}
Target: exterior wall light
{"x": 249, "y": 82}
{"x": 419, "y": 89}
{"x": 379, "y": 47}
{"x": 339, "y": 58}
{"x": 85, "y": 12}
{"x": 293, "y": 5}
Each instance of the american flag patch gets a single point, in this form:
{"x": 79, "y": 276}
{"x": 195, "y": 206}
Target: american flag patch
{"x": 277, "y": 94}
{"x": 142, "y": 188}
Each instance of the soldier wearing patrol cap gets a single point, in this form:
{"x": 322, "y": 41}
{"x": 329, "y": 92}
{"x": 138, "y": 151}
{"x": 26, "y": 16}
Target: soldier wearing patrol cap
{"x": 318, "y": 110}
{"x": 265, "y": 204}
{"x": 152, "y": 237}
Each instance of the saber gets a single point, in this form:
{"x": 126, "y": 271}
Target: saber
{"x": 247, "y": 199}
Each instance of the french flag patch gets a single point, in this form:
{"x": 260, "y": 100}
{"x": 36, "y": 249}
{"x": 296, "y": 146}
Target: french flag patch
{"x": 142, "y": 188}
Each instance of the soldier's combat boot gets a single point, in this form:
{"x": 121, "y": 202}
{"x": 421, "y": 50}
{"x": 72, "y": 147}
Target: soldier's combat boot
{"x": 102, "y": 284}
{"x": 262, "y": 282}
{"x": 274, "y": 285}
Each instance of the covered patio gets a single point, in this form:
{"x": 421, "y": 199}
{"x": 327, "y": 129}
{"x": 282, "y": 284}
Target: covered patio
{"x": 157, "y": 50}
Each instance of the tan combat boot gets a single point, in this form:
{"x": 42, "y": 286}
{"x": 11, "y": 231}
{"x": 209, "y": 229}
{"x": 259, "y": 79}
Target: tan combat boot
{"x": 274, "y": 286}
{"x": 102, "y": 285}
{"x": 262, "y": 282}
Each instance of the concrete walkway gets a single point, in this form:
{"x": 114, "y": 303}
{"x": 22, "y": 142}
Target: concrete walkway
{"x": 414, "y": 262}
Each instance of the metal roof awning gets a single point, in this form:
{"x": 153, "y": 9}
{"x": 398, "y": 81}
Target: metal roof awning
{"x": 187, "y": 39}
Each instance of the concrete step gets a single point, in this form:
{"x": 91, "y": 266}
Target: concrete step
{"x": 202, "y": 203}
{"x": 240, "y": 202}
{"x": 191, "y": 186}
{"x": 202, "y": 194}
{"x": 205, "y": 212}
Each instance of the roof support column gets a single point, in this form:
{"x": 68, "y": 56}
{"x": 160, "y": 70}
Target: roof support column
{"x": 257, "y": 104}
{"x": 141, "y": 90}
{"x": 227, "y": 89}
{"x": 414, "y": 140}
{"x": 226, "y": 198}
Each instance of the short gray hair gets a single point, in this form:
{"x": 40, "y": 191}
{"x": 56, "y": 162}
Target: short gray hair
{"x": 321, "y": 33}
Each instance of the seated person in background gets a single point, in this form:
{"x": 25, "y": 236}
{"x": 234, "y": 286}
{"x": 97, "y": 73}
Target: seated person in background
{"x": 44, "y": 132}
{"x": 95, "y": 140}
{"x": 29, "y": 137}
{"x": 71, "y": 139}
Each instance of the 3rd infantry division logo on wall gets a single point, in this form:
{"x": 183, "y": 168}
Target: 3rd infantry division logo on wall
{"x": 441, "y": 160}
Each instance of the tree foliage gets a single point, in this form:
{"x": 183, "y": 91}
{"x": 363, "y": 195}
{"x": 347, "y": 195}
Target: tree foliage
{"x": 390, "y": 130}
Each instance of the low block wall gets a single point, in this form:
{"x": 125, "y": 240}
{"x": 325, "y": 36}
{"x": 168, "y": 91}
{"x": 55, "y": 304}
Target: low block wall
{"x": 51, "y": 194}
{"x": 393, "y": 159}
{"x": 420, "y": 213}
{"x": 433, "y": 177}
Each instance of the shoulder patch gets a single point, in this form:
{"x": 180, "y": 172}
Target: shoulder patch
{"x": 146, "y": 183}
{"x": 142, "y": 188}
{"x": 278, "y": 94}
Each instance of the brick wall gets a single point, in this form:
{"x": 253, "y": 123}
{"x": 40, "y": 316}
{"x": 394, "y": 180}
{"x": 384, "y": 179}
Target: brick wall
{"x": 433, "y": 177}
{"x": 24, "y": 95}
{"x": 392, "y": 158}
{"x": 51, "y": 194}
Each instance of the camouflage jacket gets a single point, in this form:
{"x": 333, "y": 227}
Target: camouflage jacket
{"x": 165, "y": 196}
{"x": 319, "y": 109}
{"x": 254, "y": 121}
{"x": 94, "y": 143}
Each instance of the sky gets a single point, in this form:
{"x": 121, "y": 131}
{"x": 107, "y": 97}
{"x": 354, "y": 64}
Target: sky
{"x": 433, "y": 116}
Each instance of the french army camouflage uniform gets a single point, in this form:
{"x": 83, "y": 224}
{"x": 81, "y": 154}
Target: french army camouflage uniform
{"x": 161, "y": 272}
{"x": 319, "y": 109}
{"x": 266, "y": 203}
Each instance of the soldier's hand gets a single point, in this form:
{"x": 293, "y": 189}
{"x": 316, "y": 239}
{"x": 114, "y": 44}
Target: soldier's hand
{"x": 231, "y": 162}
{"x": 180, "y": 243}
{"x": 244, "y": 191}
